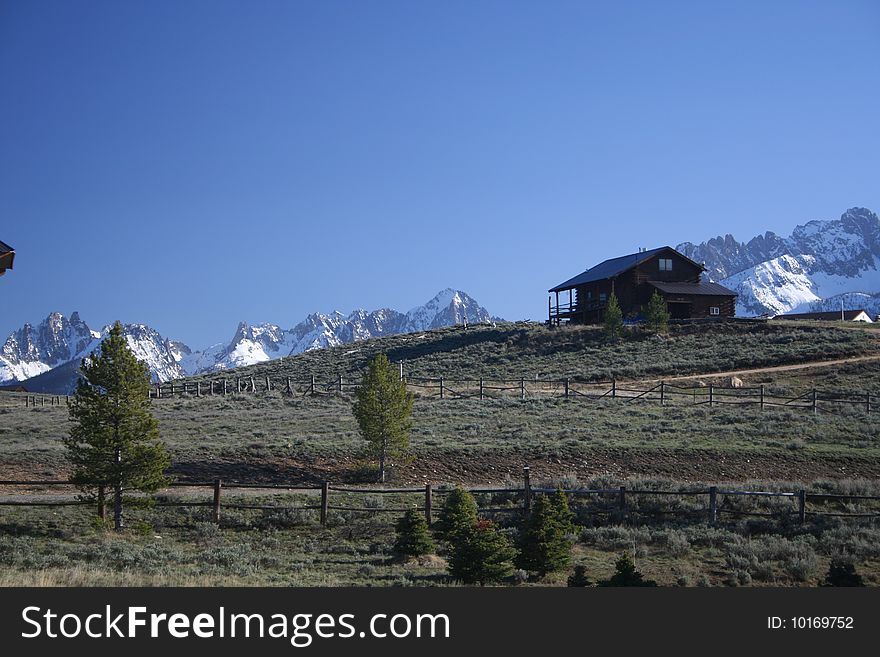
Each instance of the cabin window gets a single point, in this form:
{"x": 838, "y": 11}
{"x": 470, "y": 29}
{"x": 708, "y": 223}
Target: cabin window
{"x": 665, "y": 264}
{"x": 602, "y": 297}
{"x": 714, "y": 310}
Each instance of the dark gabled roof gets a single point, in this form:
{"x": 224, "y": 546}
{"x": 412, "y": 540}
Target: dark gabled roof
{"x": 615, "y": 267}
{"x": 697, "y": 289}
{"x": 7, "y": 256}
{"x": 832, "y": 315}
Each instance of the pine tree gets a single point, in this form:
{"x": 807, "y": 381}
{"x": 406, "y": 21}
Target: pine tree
{"x": 483, "y": 557}
{"x": 657, "y": 315}
{"x": 545, "y": 544}
{"x": 613, "y": 318}
{"x": 579, "y": 577}
{"x": 457, "y": 518}
{"x": 413, "y": 539}
{"x": 114, "y": 441}
{"x": 626, "y": 574}
{"x": 382, "y": 408}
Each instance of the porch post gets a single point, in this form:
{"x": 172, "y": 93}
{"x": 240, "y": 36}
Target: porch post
{"x": 557, "y": 308}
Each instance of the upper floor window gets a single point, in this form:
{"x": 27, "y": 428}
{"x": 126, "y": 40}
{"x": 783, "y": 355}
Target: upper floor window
{"x": 665, "y": 264}
{"x": 602, "y": 297}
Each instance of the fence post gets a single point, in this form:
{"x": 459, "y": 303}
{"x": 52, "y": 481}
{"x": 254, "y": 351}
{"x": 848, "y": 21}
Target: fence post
{"x": 621, "y": 503}
{"x": 238, "y": 384}
{"x": 27, "y": 401}
{"x": 762, "y": 396}
{"x": 288, "y": 390}
{"x": 172, "y": 388}
{"x": 339, "y": 383}
{"x": 198, "y": 388}
{"x": 613, "y": 388}
{"x": 662, "y": 393}
{"x": 527, "y": 490}
{"x": 312, "y": 386}
{"x": 522, "y": 388}
{"x": 441, "y": 387}
{"x": 711, "y": 391}
{"x": 428, "y": 503}
{"x": 713, "y": 504}
{"x": 400, "y": 376}
{"x": 212, "y": 387}
{"x": 566, "y": 388}
{"x": 814, "y": 401}
{"x": 802, "y": 506}
{"x": 268, "y": 384}
{"x": 253, "y": 386}
{"x": 225, "y": 389}
{"x": 215, "y": 515}
{"x": 325, "y": 496}
{"x": 481, "y": 387}
{"x": 102, "y": 507}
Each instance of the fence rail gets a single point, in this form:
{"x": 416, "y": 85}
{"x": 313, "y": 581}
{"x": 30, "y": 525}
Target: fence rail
{"x": 618, "y": 500}
{"x": 761, "y": 396}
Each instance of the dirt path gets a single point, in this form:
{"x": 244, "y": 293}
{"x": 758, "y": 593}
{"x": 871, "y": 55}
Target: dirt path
{"x": 759, "y": 370}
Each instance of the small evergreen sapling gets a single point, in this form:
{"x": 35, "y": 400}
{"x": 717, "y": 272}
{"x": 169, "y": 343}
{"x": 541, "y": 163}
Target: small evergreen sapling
{"x": 657, "y": 315}
{"x": 483, "y": 557}
{"x": 626, "y": 574}
{"x": 457, "y": 517}
{"x": 613, "y": 318}
{"x": 579, "y": 577}
{"x": 545, "y": 544}
{"x": 843, "y": 573}
{"x": 413, "y": 539}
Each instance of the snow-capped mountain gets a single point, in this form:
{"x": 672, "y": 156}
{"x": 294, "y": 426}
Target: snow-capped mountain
{"x": 255, "y": 344}
{"x": 818, "y": 263}
{"x": 59, "y": 341}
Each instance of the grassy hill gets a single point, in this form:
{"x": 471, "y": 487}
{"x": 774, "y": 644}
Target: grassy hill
{"x": 581, "y": 353}
{"x": 271, "y": 436}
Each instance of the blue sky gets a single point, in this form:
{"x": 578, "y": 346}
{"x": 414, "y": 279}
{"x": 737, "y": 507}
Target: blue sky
{"x": 193, "y": 164}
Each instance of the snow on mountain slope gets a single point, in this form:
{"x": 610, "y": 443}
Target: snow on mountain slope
{"x": 256, "y": 344}
{"x": 821, "y": 259}
{"x": 35, "y": 349}
{"x": 58, "y": 341}
{"x": 775, "y": 286}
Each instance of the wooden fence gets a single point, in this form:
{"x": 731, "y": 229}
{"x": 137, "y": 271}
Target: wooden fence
{"x": 617, "y": 501}
{"x": 523, "y": 388}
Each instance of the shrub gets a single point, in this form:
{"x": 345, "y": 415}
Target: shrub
{"x": 413, "y": 539}
{"x": 843, "y": 573}
{"x": 626, "y": 574}
{"x": 483, "y": 556}
{"x": 546, "y": 541}
{"x": 458, "y": 517}
{"x": 579, "y": 577}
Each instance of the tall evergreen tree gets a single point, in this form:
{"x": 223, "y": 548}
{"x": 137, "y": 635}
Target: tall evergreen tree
{"x": 382, "y": 408}
{"x": 545, "y": 544}
{"x": 613, "y": 318}
{"x": 458, "y": 517}
{"x": 657, "y": 315}
{"x": 114, "y": 441}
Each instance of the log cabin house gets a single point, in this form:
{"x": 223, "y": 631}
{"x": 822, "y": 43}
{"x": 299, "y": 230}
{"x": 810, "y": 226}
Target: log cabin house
{"x": 7, "y": 255}
{"x": 633, "y": 279}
